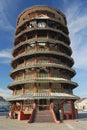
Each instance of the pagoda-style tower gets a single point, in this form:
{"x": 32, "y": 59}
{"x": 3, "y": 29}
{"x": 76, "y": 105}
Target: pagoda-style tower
{"x": 42, "y": 66}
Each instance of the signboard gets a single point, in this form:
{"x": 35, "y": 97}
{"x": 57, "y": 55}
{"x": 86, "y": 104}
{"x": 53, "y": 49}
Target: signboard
{"x": 67, "y": 107}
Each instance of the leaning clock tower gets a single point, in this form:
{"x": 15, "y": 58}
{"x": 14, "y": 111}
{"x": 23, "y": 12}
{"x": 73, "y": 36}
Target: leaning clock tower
{"x": 42, "y": 67}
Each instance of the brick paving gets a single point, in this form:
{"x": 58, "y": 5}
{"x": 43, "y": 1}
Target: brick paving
{"x": 14, "y": 124}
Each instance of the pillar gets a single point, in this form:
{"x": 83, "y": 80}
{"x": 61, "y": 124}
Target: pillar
{"x": 35, "y": 89}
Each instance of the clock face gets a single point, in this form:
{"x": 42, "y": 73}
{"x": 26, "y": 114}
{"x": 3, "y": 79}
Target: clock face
{"x": 41, "y": 24}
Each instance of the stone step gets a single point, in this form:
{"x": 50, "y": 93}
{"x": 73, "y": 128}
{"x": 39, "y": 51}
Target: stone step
{"x": 43, "y": 116}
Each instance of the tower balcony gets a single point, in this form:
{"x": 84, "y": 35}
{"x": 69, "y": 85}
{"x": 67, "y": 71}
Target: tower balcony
{"x": 35, "y": 41}
{"x": 42, "y": 33}
{"x": 23, "y": 67}
{"x": 37, "y": 29}
{"x": 53, "y": 23}
{"x": 43, "y": 52}
{"x": 42, "y": 80}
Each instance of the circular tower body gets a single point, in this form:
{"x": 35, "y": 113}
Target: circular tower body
{"x": 42, "y": 65}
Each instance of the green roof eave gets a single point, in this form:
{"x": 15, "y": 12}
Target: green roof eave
{"x": 43, "y": 96}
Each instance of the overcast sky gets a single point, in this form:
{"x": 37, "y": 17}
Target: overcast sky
{"x": 76, "y": 14}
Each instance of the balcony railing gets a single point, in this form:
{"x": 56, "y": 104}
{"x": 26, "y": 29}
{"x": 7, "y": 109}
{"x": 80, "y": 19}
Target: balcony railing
{"x": 46, "y": 18}
{"x": 44, "y": 80}
{"x": 37, "y": 28}
{"x": 43, "y": 52}
{"x": 29, "y": 65}
{"x": 50, "y": 40}
{"x": 26, "y": 23}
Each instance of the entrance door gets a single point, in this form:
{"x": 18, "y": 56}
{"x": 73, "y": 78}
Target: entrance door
{"x": 43, "y": 104}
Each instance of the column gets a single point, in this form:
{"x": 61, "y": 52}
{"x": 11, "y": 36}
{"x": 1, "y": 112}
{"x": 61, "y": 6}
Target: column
{"x": 35, "y": 89}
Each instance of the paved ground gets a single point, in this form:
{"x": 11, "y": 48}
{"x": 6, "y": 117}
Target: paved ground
{"x": 14, "y": 124}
